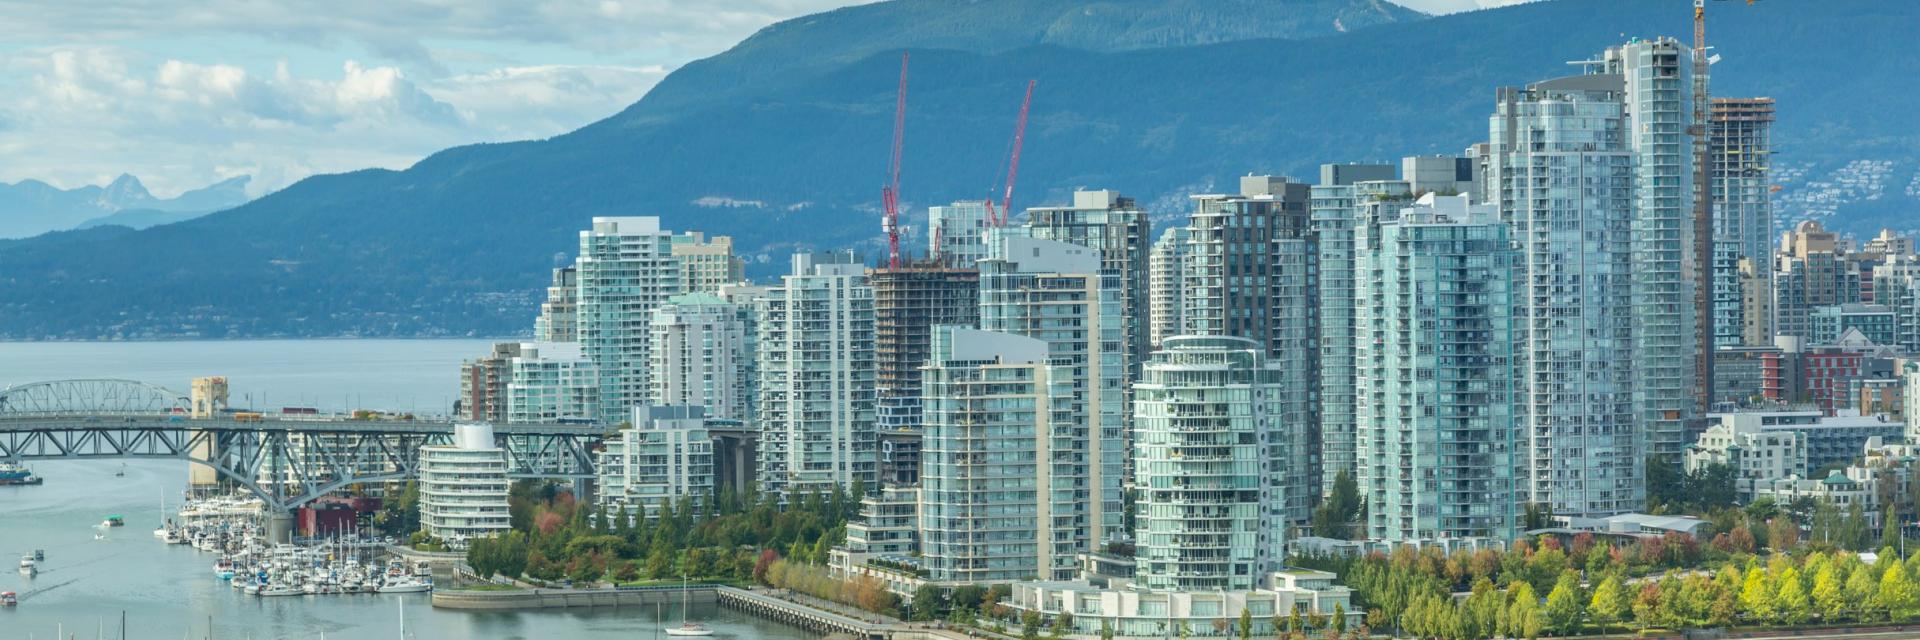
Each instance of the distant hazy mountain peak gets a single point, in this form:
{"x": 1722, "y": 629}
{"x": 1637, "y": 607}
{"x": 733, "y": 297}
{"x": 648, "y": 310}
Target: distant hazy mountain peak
{"x": 32, "y": 207}
{"x": 124, "y": 192}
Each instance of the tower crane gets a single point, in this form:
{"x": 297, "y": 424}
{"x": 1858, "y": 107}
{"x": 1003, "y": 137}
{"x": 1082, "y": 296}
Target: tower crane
{"x": 890, "y": 194}
{"x": 1000, "y": 218}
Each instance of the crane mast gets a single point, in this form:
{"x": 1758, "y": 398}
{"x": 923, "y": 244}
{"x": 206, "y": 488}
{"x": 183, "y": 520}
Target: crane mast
{"x": 1703, "y": 226}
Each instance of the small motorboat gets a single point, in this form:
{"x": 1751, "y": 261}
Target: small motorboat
{"x": 115, "y": 521}
{"x": 28, "y": 565}
{"x": 9, "y": 598}
{"x": 39, "y": 555}
{"x": 280, "y": 590}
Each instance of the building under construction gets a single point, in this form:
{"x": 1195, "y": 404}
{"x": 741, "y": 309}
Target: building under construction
{"x": 908, "y": 302}
{"x": 1739, "y": 154}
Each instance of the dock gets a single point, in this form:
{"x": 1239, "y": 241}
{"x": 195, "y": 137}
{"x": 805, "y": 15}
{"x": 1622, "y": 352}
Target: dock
{"x": 809, "y": 618}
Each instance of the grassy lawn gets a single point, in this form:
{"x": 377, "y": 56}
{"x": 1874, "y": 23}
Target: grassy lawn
{"x": 676, "y": 583}
{"x": 489, "y": 587}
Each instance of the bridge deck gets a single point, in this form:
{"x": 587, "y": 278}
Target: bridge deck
{"x": 148, "y": 423}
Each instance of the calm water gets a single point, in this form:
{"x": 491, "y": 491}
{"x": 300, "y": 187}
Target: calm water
{"x": 420, "y": 376}
{"x": 169, "y": 591}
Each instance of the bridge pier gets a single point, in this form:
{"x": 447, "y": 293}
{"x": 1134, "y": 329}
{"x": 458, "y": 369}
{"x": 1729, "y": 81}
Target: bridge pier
{"x": 280, "y": 527}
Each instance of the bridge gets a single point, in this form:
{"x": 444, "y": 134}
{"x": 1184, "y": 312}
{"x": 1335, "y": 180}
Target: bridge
{"x": 286, "y": 460}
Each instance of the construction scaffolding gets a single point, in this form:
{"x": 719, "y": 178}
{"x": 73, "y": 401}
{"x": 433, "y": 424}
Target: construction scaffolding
{"x": 908, "y": 302}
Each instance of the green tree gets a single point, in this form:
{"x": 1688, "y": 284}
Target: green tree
{"x": 1106, "y": 629}
{"x": 1566, "y": 605}
{"x": 1537, "y": 516}
{"x": 400, "y": 517}
{"x": 1756, "y": 596}
{"x": 926, "y": 603}
{"x": 1863, "y": 594}
{"x": 1762, "y": 509}
{"x": 1897, "y": 595}
{"x": 660, "y": 559}
{"x": 1611, "y": 603}
{"x": 1246, "y": 618}
{"x": 1545, "y": 567}
{"x": 1339, "y": 509}
{"x": 1890, "y": 531}
{"x": 1524, "y": 618}
{"x": 1792, "y": 601}
{"x": 1029, "y": 626}
{"x": 968, "y": 597}
{"x": 1829, "y": 595}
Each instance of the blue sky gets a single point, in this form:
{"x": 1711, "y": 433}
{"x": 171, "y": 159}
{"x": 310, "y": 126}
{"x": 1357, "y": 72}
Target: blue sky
{"x": 185, "y": 94}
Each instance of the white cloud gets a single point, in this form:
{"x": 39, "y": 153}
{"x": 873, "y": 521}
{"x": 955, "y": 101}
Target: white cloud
{"x": 540, "y": 101}
{"x": 91, "y": 113}
{"x": 186, "y": 94}
{"x": 671, "y": 31}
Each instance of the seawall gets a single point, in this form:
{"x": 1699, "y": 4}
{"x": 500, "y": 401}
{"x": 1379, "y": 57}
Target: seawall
{"x": 471, "y": 600}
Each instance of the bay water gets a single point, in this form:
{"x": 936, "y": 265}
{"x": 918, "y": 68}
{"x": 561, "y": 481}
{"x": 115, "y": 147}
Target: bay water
{"x": 169, "y": 591}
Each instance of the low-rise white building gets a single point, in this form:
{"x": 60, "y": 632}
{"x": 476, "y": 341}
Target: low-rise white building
{"x": 890, "y": 522}
{"x": 552, "y": 382}
{"x": 1884, "y": 471}
{"x": 1820, "y": 440}
{"x": 463, "y": 486}
{"x": 665, "y": 455}
{"x": 1157, "y": 614}
{"x": 1756, "y": 454}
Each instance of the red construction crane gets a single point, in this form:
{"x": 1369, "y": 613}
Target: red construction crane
{"x": 1013, "y": 164}
{"x": 890, "y": 194}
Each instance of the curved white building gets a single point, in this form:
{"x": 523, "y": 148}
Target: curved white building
{"x": 463, "y": 486}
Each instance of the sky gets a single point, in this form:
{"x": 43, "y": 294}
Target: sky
{"x": 186, "y": 94}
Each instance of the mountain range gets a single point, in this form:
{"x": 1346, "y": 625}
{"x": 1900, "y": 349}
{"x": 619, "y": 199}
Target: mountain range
{"x": 31, "y": 207}
{"x": 781, "y": 142}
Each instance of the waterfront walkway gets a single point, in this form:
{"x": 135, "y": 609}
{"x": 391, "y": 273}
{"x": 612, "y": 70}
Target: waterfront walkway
{"x": 808, "y": 615}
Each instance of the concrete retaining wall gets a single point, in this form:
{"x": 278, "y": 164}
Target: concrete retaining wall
{"x": 563, "y": 598}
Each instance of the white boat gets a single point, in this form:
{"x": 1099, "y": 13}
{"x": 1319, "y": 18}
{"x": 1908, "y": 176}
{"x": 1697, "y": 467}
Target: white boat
{"x": 687, "y": 628}
{"x": 405, "y": 585}
{"x": 28, "y": 565}
{"x": 281, "y": 590}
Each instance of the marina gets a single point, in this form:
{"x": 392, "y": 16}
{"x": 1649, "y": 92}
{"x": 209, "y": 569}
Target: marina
{"x": 172, "y": 590}
{"x": 233, "y": 529}
{"x": 168, "y": 587}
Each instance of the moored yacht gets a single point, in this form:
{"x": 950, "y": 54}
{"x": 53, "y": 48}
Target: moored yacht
{"x": 405, "y": 584}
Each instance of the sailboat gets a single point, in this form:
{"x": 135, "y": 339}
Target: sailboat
{"x": 687, "y": 627}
